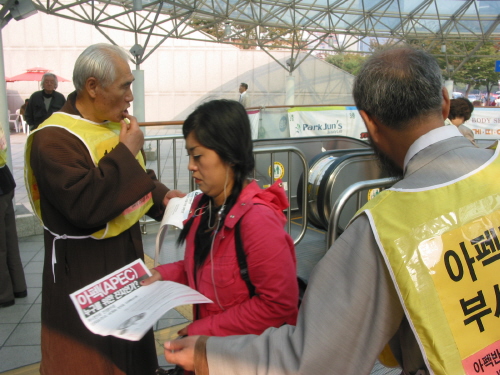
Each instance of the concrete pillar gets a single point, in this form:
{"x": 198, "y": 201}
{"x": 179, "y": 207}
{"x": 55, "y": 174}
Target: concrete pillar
{"x": 4, "y": 117}
{"x": 290, "y": 90}
{"x": 449, "y": 86}
{"x": 138, "y": 90}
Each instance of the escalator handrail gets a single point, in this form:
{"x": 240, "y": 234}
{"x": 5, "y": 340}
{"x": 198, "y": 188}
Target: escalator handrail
{"x": 355, "y": 188}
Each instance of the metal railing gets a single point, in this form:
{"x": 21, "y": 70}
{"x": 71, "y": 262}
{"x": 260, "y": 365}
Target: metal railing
{"x": 305, "y": 170}
{"x": 158, "y": 139}
{"x": 257, "y": 150}
{"x": 357, "y": 188}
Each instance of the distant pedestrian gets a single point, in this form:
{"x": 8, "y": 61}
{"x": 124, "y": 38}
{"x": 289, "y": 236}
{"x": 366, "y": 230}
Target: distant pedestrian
{"x": 244, "y": 100}
{"x": 22, "y": 109}
{"x": 43, "y": 103}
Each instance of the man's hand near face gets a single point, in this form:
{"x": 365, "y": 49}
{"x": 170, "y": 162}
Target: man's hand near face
{"x": 131, "y": 135}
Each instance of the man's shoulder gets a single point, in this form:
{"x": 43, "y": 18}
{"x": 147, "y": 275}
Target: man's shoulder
{"x": 431, "y": 165}
{"x": 59, "y": 95}
{"x": 465, "y": 129}
{"x": 56, "y": 138}
{"x": 36, "y": 94}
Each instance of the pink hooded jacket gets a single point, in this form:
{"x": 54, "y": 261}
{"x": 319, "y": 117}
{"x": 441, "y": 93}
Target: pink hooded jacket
{"x": 270, "y": 256}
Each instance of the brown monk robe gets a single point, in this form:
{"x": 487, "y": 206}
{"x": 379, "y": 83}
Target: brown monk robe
{"x": 78, "y": 199}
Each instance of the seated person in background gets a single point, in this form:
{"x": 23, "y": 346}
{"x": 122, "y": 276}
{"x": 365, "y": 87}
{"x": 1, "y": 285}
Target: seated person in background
{"x": 22, "y": 109}
{"x": 460, "y": 111}
{"x": 220, "y": 149}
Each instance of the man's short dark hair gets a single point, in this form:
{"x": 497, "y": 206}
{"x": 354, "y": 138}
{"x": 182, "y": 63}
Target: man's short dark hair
{"x": 397, "y": 85}
{"x": 244, "y": 85}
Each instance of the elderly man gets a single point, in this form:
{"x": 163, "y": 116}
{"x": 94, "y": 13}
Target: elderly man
{"x": 43, "y": 103}
{"x": 417, "y": 267}
{"x": 87, "y": 181}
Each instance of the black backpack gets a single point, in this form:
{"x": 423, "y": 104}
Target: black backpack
{"x": 242, "y": 261}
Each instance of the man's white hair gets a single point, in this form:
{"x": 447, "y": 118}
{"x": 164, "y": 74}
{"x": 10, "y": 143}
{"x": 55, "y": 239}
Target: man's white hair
{"x": 98, "y": 61}
{"x": 44, "y": 77}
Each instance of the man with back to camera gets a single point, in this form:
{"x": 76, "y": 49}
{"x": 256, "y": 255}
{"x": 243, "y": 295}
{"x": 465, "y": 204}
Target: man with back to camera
{"x": 87, "y": 181}
{"x": 43, "y": 103}
{"x": 418, "y": 266}
{"x": 244, "y": 100}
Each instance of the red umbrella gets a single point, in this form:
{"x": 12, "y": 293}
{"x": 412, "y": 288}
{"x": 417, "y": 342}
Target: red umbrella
{"x": 33, "y": 74}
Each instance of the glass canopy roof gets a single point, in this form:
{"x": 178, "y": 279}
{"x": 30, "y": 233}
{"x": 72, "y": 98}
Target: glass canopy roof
{"x": 299, "y": 26}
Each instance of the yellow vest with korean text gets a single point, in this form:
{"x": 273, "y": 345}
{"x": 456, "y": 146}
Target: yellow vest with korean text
{"x": 99, "y": 140}
{"x": 441, "y": 245}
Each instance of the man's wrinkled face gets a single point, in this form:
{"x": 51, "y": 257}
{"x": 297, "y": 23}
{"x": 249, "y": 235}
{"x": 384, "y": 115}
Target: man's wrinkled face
{"x": 49, "y": 84}
{"x": 113, "y": 101}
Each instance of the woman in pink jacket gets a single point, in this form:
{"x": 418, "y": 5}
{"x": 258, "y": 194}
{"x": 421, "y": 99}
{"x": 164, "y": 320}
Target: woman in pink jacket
{"x": 219, "y": 145}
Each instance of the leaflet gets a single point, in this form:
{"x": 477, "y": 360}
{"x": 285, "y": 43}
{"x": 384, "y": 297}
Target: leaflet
{"x": 118, "y": 305}
{"x": 176, "y": 212}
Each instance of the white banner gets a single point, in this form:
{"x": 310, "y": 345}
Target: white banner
{"x": 335, "y": 120}
{"x": 485, "y": 123}
{"x": 254, "y": 122}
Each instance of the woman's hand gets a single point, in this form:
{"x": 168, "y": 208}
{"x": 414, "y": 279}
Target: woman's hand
{"x": 156, "y": 276}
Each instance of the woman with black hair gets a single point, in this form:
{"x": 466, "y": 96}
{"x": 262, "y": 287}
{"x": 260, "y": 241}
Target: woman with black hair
{"x": 233, "y": 212}
{"x": 460, "y": 111}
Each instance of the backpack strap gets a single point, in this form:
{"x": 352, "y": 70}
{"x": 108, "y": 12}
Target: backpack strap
{"x": 242, "y": 260}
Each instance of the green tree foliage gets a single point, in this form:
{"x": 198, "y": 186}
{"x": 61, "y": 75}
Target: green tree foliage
{"x": 211, "y": 28}
{"x": 245, "y": 36}
{"x": 476, "y": 72}
{"x": 479, "y": 71}
{"x": 350, "y": 62}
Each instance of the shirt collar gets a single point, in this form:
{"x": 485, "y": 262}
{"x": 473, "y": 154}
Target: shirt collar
{"x": 429, "y": 138}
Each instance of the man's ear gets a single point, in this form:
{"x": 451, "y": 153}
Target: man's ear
{"x": 445, "y": 106}
{"x": 91, "y": 87}
{"x": 371, "y": 126}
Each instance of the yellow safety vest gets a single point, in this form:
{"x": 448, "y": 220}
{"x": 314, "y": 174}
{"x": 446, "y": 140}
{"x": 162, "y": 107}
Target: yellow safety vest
{"x": 3, "y": 149}
{"x": 444, "y": 258}
{"x": 99, "y": 139}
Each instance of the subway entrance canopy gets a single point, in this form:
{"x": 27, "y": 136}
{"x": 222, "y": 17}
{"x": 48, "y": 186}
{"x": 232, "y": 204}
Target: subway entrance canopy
{"x": 299, "y": 26}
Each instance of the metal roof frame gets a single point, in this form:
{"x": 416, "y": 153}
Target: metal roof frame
{"x": 335, "y": 26}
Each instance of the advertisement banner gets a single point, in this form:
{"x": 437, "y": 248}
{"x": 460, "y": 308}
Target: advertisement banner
{"x": 254, "y": 122}
{"x": 334, "y": 120}
{"x": 485, "y": 123}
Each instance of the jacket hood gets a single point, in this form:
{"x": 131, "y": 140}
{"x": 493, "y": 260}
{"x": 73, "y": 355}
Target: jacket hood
{"x": 273, "y": 197}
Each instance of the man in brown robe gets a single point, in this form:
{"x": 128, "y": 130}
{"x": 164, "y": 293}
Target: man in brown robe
{"x": 78, "y": 198}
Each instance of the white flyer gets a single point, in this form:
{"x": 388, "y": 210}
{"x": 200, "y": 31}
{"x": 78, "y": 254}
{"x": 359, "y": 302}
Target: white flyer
{"x": 176, "y": 212}
{"x": 118, "y": 305}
